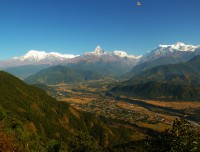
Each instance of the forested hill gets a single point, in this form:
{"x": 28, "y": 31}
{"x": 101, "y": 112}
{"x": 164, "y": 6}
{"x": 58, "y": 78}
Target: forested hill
{"x": 158, "y": 91}
{"x": 182, "y": 73}
{"x": 35, "y": 119}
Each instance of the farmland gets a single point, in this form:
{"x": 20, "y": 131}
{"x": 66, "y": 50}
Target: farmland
{"x": 155, "y": 115}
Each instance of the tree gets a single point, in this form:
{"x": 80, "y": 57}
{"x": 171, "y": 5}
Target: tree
{"x": 182, "y": 137}
{"x": 83, "y": 142}
{"x": 7, "y": 141}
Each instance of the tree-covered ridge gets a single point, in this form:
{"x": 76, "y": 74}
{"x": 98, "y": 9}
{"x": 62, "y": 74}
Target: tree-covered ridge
{"x": 158, "y": 91}
{"x": 181, "y": 137}
{"x": 166, "y": 82}
{"x": 78, "y": 72}
{"x": 183, "y": 73}
{"x": 54, "y": 75}
{"x": 35, "y": 119}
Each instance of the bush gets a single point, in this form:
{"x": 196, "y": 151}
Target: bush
{"x": 182, "y": 137}
{"x": 83, "y": 142}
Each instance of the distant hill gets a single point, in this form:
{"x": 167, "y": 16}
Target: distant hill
{"x": 25, "y": 71}
{"x": 158, "y": 91}
{"x": 138, "y": 69}
{"x": 62, "y": 74}
{"x": 167, "y": 82}
{"x": 54, "y": 75}
{"x": 78, "y": 72}
{"x": 185, "y": 73}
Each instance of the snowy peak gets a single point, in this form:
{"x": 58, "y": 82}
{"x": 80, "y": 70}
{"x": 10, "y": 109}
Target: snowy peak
{"x": 124, "y": 54}
{"x": 178, "y": 50}
{"x": 179, "y": 46}
{"x": 98, "y": 51}
{"x": 34, "y": 55}
{"x": 38, "y": 56}
{"x": 120, "y": 53}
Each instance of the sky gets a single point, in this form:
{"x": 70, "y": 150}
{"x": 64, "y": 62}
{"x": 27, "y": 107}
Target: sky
{"x": 78, "y": 26}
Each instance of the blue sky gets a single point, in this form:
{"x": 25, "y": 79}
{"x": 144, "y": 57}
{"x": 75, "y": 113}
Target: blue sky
{"x": 78, "y": 26}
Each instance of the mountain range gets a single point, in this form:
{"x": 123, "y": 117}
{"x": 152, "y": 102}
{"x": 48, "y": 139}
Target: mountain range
{"x": 82, "y": 71}
{"x": 178, "y": 50}
{"x": 185, "y": 73}
{"x": 34, "y": 57}
{"x": 127, "y": 65}
{"x": 163, "y": 55}
{"x": 179, "y": 81}
{"x": 34, "y": 61}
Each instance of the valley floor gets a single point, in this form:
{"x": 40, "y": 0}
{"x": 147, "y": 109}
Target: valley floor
{"x": 146, "y": 116}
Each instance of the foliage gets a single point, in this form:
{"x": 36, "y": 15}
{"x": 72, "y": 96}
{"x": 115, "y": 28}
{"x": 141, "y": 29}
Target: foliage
{"x": 38, "y": 122}
{"x": 182, "y": 137}
{"x": 6, "y": 140}
{"x": 158, "y": 91}
{"x": 83, "y": 142}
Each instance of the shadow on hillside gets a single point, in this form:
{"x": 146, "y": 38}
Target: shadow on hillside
{"x": 154, "y": 108}
{"x": 115, "y": 122}
{"x": 163, "y": 110}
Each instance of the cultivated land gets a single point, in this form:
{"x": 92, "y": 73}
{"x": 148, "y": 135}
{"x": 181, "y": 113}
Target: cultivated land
{"x": 152, "y": 115}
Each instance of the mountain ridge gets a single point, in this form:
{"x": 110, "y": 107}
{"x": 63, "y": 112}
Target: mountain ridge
{"x": 163, "y": 55}
{"x": 186, "y": 72}
{"x": 54, "y": 58}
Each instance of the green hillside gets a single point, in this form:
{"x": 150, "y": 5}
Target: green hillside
{"x": 62, "y": 74}
{"x": 37, "y": 121}
{"x": 182, "y": 73}
{"x": 138, "y": 69}
{"x": 78, "y": 72}
{"x": 105, "y": 66}
{"x": 54, "y": 75}
{"x": 166, "y": 82}
{"x": 158, "y": 91}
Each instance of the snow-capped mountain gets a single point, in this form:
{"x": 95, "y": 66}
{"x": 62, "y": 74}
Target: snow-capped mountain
{"x": 34, "y": 57}
{"x": 178, "y": 50}
{"x": 124, "y": 54}
{"x": 100, "y": 52}
{"x": 120, "y": 53}
{"x": 179, "y": 46}
{"x": 41, "y": 56}
{"x": 165, "y": 54}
